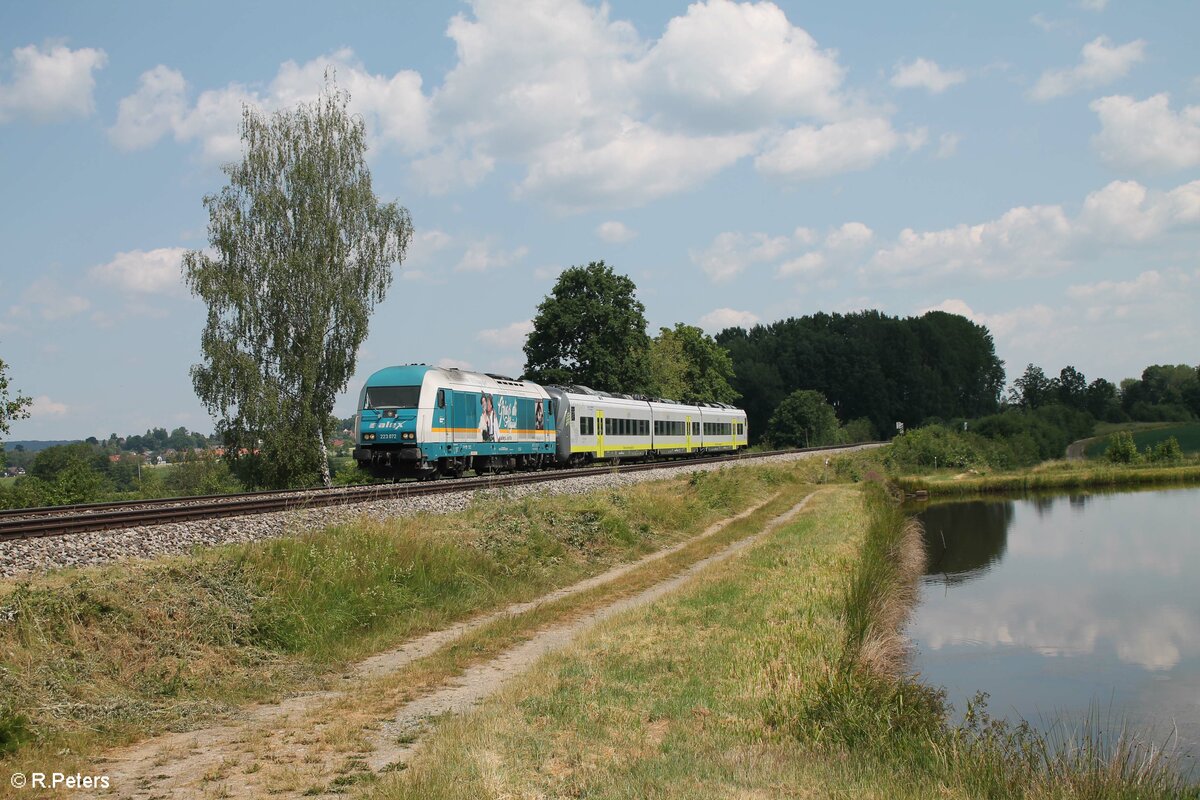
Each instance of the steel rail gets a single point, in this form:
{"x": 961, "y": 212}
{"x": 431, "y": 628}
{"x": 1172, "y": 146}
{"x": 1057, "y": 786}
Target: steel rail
{"x": 67, "y": 520}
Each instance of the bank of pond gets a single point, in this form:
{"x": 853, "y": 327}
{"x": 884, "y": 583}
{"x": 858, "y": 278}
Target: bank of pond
{"x": 1076, "y": 613}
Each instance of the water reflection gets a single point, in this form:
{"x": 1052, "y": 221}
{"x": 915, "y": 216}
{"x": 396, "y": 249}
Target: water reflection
{"x": 962, "y": 540}
{"x": 1052, "y": 604}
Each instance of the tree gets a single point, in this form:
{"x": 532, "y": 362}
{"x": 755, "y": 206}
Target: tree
{"x": 803, "y": 419}
{"x": 591, "y": 330}
{"x": 1033, "y": 388}
{"x": 11, "y": 407}
{"x": 1072, "y": 387}
{"x": 687, "y": 364}
{"x": 302, "y": 252}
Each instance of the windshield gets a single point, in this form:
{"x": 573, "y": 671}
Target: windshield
{"x": 392, "y": 396}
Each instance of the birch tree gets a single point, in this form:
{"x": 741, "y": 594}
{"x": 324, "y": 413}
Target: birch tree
{"x": 301, "y": 251}
{"x": 12, "y": 407}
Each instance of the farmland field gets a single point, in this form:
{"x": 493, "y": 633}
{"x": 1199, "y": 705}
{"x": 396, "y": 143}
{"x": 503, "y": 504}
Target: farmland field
{"x": 1188, "y": 435}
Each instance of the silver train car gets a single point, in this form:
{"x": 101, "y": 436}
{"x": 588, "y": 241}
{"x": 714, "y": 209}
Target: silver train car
{"x": 600, "y": 426}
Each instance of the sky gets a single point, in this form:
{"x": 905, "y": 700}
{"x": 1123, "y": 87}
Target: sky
{"x": 1034, "y": 166}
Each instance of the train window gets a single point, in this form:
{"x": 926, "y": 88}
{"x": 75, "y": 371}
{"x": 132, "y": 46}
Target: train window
{"x": 441, "y": 398}
{"x": 392, "y": 396}
{"x": 572, "y": 413}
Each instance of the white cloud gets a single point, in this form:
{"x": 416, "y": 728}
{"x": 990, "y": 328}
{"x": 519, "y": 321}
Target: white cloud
{"x": 739, "y": 66}
{"x": 850, "y": 236}
{"x": 1101, "y": 63}
{"x": 1093, "y": 5}
{"x": 947, "y": 145}
{"x": 808, "y": 265}
{"x": 1147, "y": 134}
{"x": 482, "y": 256}
{"x": 144, "y": 271}
{"x": 425, "y": 245}
{"x": 1045, "y": 23}
{"x": 719, "y": 319}
{"x": 615, "y": 232}
{"x": 730, "y": 253}
{"x": 629, "y": 167}
{"x": 508, "y": 337}
{"x": 927, "y": 75}
{"x": 1022, "y": 241}
{"x": 43, "y": 406}
{"x": 808, "y": 152}
{"x": 591, "y": 113}
{"x": 1126, "y": 211}
{"x": 394, "y": 107}
{"x": 48, "y": 300}
{"x": 152, "y": 111}
{"x": 50, "y": 83}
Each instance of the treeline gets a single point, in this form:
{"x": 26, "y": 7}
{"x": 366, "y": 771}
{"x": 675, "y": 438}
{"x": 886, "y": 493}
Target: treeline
{"x": 869, "y": 366}
{"x": 154, "y": 441}
{"x": 1041, "y": 415}
{"x": 83, "y": 472}
{"x": 1164, "y": 393}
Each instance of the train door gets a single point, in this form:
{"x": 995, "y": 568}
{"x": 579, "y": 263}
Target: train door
{"x": 687, "y": 427}
{"x": 599, "y": 434}
{"x": 443, "y": 406}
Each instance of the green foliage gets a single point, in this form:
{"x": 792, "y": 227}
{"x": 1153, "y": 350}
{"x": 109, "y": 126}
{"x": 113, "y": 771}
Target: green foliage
{"x": 1167, "y": 450}
{"x": 201, "y": 474}
{"x": 940, "y": 446}
{"x": 803, "y": 419}
{"x": 868, "y": 365}
{"x": 590, "y": 330}
{"x": 688, "y": 365}
{"x": 303, "y": 250}
{"x": 1122, "y": 449}
{"x": 12, "y": 407}
{"x": 1165, "y": 392}
{"x": 14, "y": 730}
{"x": 855, "y": 431}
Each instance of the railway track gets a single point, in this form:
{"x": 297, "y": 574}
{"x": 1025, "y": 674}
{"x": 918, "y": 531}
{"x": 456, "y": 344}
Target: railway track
{"x": 65, "y": 520}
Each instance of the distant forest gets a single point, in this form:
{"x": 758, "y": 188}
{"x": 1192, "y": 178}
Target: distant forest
{"x": 869, "y": 366}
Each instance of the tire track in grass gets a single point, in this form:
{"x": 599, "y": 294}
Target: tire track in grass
{"x": 244, "y": 758}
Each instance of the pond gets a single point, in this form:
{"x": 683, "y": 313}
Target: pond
{"x": 1064, "y": 607}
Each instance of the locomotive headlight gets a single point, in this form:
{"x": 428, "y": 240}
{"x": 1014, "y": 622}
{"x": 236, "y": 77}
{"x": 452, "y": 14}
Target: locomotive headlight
{"x": 408, "y": 436}
{"x": 368, "y": 437}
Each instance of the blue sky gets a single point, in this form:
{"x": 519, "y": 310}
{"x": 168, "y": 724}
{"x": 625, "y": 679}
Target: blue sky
{"x": 1033, "y": 166}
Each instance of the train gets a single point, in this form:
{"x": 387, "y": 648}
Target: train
{"x": 418, "y": 421}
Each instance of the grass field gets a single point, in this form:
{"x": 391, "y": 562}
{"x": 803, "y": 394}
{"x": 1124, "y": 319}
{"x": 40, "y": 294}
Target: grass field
{"x": 1187, "y": 434}
{"x": 749, "y": 683}
{"x": 132, "y": 649}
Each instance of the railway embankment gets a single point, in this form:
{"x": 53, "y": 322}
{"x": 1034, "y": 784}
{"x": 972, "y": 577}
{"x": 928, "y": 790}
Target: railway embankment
{"x": 100, "y": 656}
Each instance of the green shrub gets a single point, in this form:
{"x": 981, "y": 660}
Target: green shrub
{"x": 14, "y": 729}
{"x": 1122, "y": 449}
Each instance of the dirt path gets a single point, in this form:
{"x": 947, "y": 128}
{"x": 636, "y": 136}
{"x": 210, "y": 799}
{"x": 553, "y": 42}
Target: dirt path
{"x": 285, "y": 749}
{"x": 1075, "y": 450}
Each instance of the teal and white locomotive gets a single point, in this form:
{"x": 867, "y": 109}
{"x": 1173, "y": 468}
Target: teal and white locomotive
{"x": 420, "y": 421}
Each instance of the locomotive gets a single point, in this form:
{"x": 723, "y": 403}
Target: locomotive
{"x": 419, "y": 421}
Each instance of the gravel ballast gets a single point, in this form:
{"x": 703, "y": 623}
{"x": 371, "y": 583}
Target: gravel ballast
{"x": 26, "y": 556}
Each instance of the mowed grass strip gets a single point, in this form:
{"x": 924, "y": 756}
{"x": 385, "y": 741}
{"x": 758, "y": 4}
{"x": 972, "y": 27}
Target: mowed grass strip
{"x": 1053, "y": 476}
{"x": 668, "y": 701}
{"x": 97, "y": 657}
